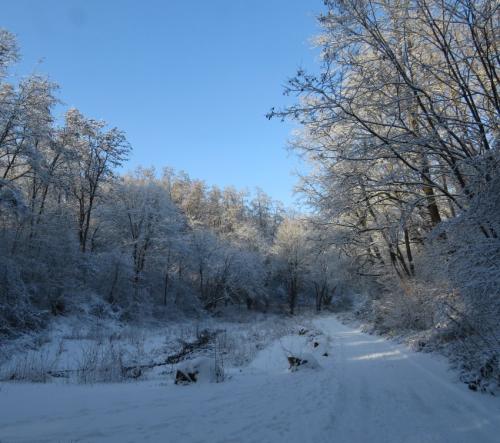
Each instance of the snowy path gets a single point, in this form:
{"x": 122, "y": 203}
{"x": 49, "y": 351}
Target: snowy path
{"x": 369, "y": 390}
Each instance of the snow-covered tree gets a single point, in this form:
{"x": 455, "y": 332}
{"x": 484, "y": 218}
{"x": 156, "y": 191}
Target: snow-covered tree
{"x": 292, "y": 250}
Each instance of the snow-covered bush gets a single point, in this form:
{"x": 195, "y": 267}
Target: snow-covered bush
{"x": 470, "y": 259}
{"x": 406, "y": 306}
{"x": 32, "y": 366}
{"x": 101, "y": 362}
{"x": 16, "y": 310}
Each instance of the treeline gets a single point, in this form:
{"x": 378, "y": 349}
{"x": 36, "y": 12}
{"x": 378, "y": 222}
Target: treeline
{"x": 401, "y": 127}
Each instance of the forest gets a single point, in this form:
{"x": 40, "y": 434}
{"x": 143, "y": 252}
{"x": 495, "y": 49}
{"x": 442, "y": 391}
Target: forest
{"x": 76, "y": 234}
{"x": 400, "y": 223}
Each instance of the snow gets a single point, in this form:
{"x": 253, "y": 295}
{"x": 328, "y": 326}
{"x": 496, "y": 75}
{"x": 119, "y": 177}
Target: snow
{"x": 368, "y": 390}
{"x": 204, "y": 369}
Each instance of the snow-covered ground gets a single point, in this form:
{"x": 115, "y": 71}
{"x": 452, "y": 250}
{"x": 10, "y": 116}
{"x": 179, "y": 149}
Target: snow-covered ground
{"x": 367, "y": 389}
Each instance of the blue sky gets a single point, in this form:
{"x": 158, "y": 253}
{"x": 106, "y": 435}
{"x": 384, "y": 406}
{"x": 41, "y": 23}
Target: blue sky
{"x": 189, "y": 82}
